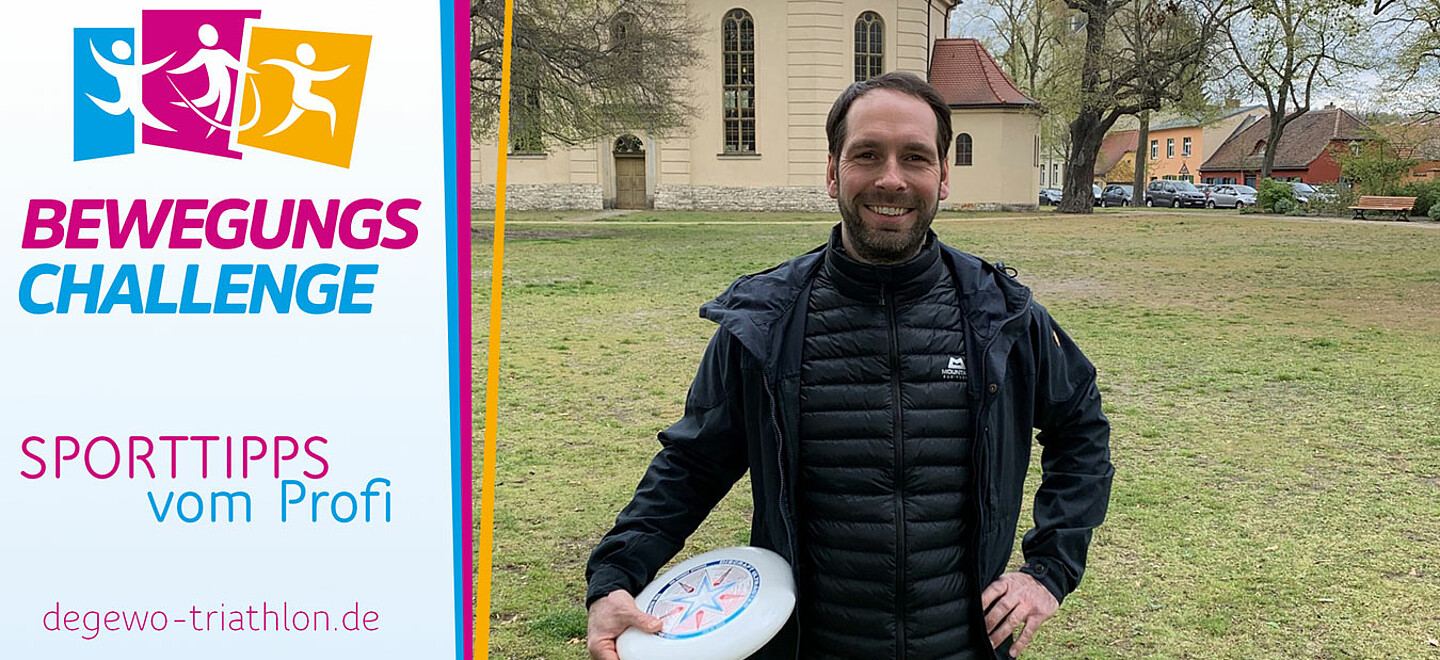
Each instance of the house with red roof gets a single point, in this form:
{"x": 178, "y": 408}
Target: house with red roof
{"x": 1303, "y": 154}
{"x": 1116, "y": 161}
{"x": 994, "y": 161}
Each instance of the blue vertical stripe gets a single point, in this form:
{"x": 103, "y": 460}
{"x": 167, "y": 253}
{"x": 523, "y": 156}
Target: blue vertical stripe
{"x": 460, "y": 492}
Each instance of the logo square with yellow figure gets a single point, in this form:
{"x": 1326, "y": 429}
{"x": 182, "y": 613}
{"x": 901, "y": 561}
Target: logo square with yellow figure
{"x": 309, "y": 86}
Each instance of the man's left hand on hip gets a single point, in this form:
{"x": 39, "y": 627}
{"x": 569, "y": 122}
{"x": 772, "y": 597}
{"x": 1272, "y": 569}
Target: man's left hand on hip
{"x": 1014, "y": 602}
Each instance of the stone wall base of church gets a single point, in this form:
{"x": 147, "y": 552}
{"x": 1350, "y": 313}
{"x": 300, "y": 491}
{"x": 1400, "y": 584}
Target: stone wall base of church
{"x": 988, "y": 206}
{"x": 580, "y": 196}
{"x": 551, "y": 196}
{"x": 743, "y": 198}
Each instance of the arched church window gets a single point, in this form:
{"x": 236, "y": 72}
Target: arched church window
{"x": 964, "y": 149}
{"x": 624, "y": 32}
{"x": 737, "y": 39}
{"x": 869, "y": 46}
{"x": 629, "y": 144}
{"x": 525, "y": 135}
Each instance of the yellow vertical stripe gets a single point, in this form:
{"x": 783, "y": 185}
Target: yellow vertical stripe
{"x": 486, "y": 542}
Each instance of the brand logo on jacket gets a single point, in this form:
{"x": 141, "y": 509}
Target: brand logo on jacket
{"x": 955, "y": 370}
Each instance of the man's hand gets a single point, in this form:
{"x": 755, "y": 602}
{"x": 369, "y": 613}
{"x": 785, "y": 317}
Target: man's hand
{"x": 609, "y": 617}
{"x": 1012, "y": 602}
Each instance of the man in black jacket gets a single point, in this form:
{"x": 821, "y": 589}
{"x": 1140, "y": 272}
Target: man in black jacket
{"x": 882, "y": 391}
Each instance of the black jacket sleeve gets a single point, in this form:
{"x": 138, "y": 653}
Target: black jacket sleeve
{"x": 1075, "y": 460}
{"x": 701, "y": 457}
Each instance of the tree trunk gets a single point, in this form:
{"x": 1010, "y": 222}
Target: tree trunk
{"x": 1142, "y": 160}
{"x": 1277, "y": 128}
{"x": 1088, "y": 129}
{"x": 1086, "y": 134}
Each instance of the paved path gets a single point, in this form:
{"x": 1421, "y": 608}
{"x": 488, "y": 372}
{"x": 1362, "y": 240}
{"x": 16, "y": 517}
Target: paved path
{"x": 610, "y": 213}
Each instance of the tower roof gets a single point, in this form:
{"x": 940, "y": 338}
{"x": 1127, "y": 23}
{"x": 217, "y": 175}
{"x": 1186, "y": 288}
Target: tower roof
{"x": 967, "y": 77}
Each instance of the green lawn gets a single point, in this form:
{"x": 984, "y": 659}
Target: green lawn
{"x": 1273, "y": 385}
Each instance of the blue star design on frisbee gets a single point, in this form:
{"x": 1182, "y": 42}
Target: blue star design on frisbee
{"x": 704, "y": 598}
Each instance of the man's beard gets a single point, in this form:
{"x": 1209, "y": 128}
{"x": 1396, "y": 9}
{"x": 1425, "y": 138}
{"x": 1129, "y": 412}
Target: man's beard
{"x": 878, "y": 246}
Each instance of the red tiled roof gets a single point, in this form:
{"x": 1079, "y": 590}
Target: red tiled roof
{"x": 966, "y": 76}
{"x": 1115, "y": 146}
{"x": 1303, "y": 141}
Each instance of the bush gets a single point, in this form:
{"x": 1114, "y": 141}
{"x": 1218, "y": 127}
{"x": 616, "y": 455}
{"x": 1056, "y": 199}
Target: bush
{"x": 1374, "y": 165}
{"x": 1271, "y": 192}
{"x": 1435, "y": 212}
{"x": 1333, "y": 200}
{"x": 1283, "y": 205}
{"x": 1426, "y": 194}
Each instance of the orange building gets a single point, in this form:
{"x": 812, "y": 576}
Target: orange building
{"x": 1173, "y": 153}
{"x": 1176, "y": 147}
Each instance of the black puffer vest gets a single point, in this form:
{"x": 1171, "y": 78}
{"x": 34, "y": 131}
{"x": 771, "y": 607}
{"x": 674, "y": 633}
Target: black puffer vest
{"x": 885, "y": 517}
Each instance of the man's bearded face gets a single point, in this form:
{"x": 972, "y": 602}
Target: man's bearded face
{"x": 889, "y": 178}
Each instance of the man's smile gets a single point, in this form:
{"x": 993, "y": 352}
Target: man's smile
{"x": 888, "y": 210}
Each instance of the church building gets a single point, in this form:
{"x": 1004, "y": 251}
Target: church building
{"x": 769, "y": 74}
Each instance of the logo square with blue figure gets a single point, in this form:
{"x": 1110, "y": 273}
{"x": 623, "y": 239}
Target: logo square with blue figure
{"x": 107, "y": 92}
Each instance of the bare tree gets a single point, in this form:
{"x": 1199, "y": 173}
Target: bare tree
{"x": 1290, "y": 49}
{"x": 1417, "y": 62}
{"x": 582, "y": 69}
{"x": 1030, "y": 39}
{"x": 1159, "y": 53}
{"x": 1025, "y": 32}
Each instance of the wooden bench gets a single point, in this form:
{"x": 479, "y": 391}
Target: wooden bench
{"x": 1397, "y": 205}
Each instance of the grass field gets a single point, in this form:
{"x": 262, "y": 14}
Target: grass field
{"x": 1273, "y": 386}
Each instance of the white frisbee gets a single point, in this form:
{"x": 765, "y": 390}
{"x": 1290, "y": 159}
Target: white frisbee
{"x": 721, "y": 605}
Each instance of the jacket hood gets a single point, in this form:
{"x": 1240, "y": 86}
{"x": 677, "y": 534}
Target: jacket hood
{"x": 753, "y": 305}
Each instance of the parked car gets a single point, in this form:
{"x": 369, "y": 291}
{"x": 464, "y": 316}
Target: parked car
{"x": 1303, "y": 191}
{"x": 1205, "y": 189}
{"x": 1117, "y": 194}
{"x": 1096, "y": 186}
{"x": 1050, "y": 196}
{"x": 1230, "y": 196}
{"x": 1173, "y": 193}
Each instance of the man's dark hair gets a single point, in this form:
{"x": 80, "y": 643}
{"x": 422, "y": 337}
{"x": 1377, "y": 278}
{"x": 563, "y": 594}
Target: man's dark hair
{"x": 905, "y": 83}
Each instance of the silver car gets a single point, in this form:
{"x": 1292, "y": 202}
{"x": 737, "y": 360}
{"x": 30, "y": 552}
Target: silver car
{"x": 1230, "y": 196}
{"x": 1303, "y": 191}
